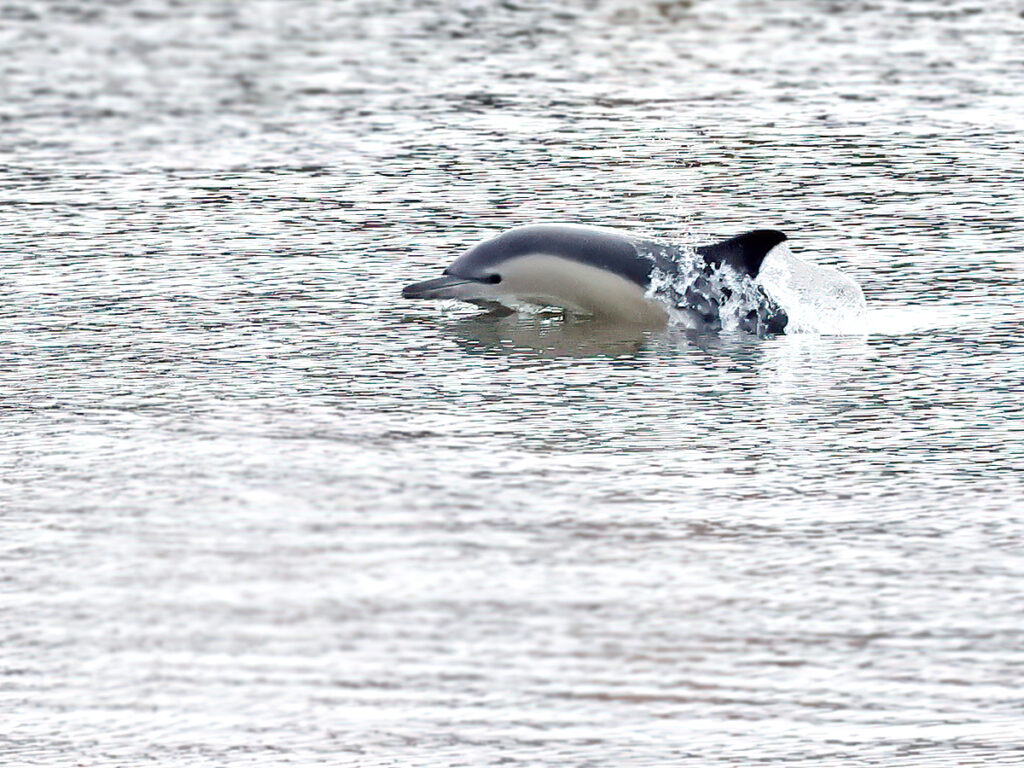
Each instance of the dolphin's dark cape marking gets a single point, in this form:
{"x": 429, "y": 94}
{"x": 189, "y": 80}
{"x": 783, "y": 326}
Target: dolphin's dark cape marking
{"x": 603, "y": 272}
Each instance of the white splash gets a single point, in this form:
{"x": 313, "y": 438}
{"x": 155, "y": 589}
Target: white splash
{"x": 899, "y": 320}
{"x": 740, "y": 297}
{"x": 817, "y": 299}
{"x": 699, "y": 296}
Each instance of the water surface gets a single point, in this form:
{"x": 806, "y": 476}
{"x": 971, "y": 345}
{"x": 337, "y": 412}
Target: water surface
{"x": 256, "y": 510}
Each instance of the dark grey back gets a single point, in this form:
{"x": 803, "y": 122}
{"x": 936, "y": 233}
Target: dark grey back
{"x": 605, "y": 250}
{"x": 612, "y": 251}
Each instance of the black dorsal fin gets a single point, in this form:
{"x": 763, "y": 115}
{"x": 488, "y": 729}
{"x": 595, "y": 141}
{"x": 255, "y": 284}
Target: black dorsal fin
{"x": 745, "y": 252}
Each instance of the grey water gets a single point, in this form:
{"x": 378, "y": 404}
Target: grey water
{"x": 257, "y": 510}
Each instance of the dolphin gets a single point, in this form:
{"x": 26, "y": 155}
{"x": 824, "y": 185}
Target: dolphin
{"x": 612, "y": 275}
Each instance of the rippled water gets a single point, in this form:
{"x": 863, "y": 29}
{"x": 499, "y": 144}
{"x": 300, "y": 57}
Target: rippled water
{"x": 259, "y": 511}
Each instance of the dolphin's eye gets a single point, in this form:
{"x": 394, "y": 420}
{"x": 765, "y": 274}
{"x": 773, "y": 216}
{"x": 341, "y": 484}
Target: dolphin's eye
{"x": 492, "y": 279}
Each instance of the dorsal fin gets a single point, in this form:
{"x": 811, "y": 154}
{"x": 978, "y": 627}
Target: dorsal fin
{"x": 745, "y": 252}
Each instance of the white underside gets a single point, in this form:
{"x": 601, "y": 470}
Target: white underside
{"x": 577, "y": 287}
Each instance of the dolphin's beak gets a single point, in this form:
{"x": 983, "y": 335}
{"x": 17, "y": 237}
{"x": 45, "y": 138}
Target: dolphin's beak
{"x": 445, "y": 287}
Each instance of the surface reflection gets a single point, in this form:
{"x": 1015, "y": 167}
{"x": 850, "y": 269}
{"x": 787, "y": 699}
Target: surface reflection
{"x": 548, "y": 336}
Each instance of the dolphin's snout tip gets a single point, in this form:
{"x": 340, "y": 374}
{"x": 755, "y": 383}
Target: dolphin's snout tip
{"x": 444, "y": 287}
{"x": 423, "y": 290}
